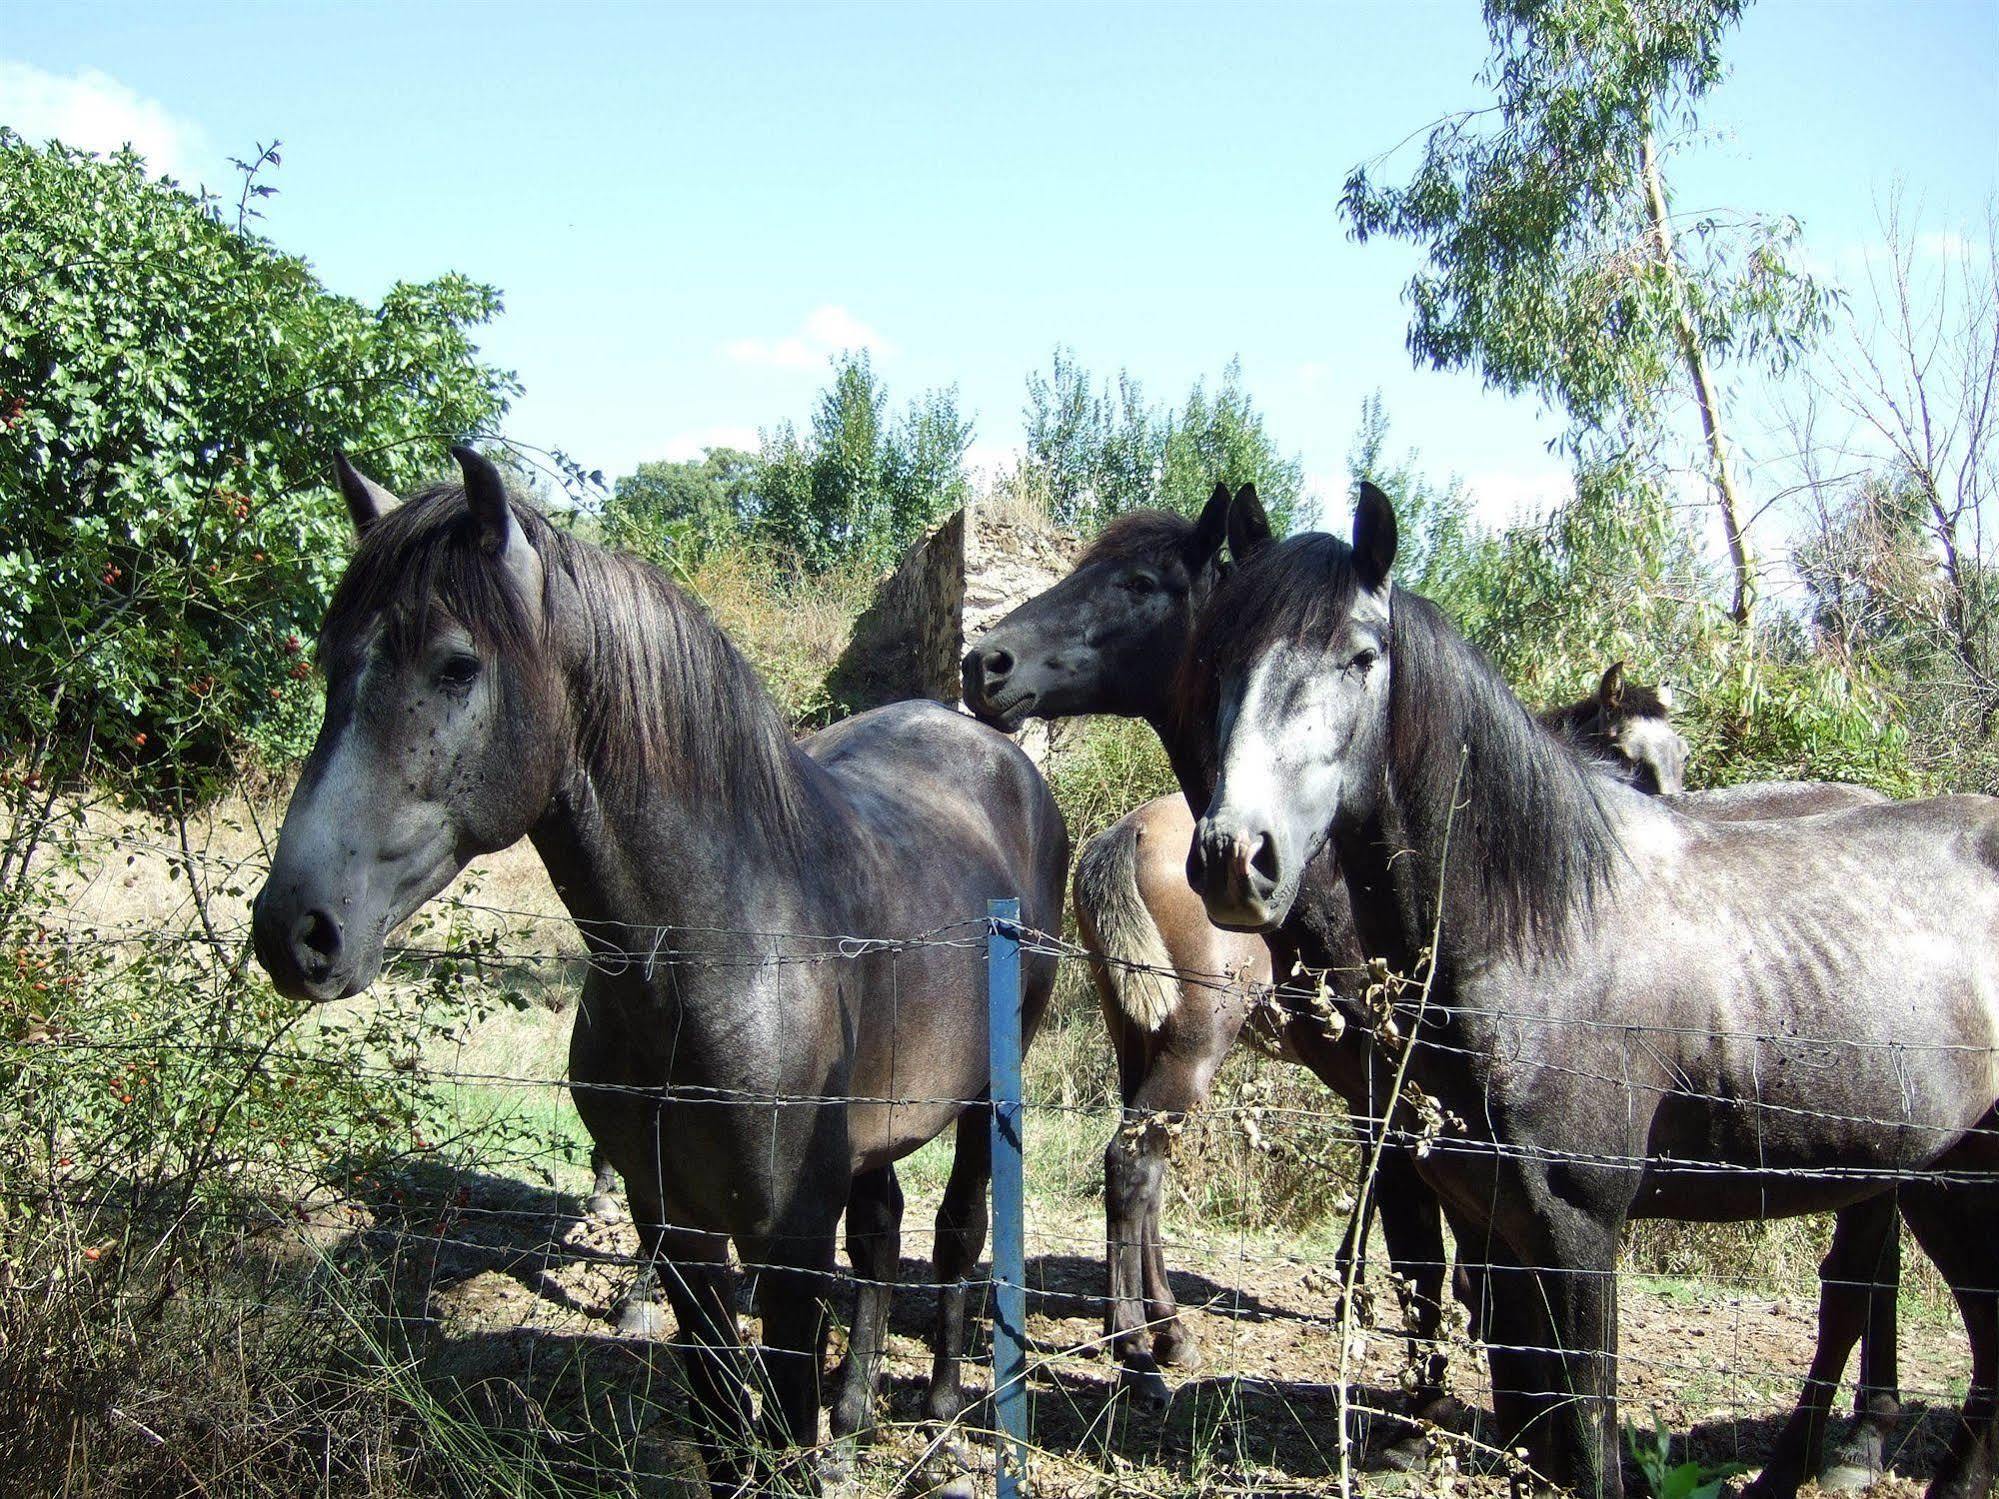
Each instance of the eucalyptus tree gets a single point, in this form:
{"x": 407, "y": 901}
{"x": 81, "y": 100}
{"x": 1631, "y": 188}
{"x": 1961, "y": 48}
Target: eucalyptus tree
{"x": 1556, "y": 263}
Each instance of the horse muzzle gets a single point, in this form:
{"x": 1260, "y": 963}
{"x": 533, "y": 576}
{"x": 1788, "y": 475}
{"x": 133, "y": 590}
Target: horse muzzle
{"x": 1238, "y": 869}
{"x": 306, "y": 949}
{"x": 994, "y": 698}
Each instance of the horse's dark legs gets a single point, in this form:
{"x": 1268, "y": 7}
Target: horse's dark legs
{"x": 1515, "y": 1328}
{"x": 1140, "y": 1317}
{"x": 1954, "y": 1226}
{"x": 602, "y": 1203}
{"x": 1865, "y": 1244}
{"x": 694, "y": 1269}
{"x": 1173, "y": 1342}
{"x": 791, "y": 1296}
{"x": 1412, "y": 1224}
{"x": 874, "y": 1246}
{"x": 1877, "y": 1403}
{"x": 960, "y": 1240}
{"x": 1574, "y": 1252}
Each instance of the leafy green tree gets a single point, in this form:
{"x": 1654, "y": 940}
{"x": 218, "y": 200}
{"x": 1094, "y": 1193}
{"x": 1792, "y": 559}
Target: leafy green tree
{"x": 1555, "y": 261}
{"x": 862, "y": 485}
{"x": 1099, "y": 449}
{"x": 1437, "y": 542}
{"x": 172, "y": 389}
{"x": 1611, "y": 574}
{"x": 1222, "y": 439}
{"x": 682, "y": 510}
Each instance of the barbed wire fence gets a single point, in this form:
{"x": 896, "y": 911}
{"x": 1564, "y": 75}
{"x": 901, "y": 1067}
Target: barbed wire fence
{"x": 247, "y": 1157}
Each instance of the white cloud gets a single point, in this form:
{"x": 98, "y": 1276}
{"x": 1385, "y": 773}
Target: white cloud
{"x": 687, "y": 446}
{"x": 96, "y": 112}
{"x": 1944, "y": 244}
{"x": 826, "y": 331}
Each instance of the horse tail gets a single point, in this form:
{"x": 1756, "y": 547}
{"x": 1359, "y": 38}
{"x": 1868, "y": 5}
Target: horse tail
{"x": 1137, "y": 970}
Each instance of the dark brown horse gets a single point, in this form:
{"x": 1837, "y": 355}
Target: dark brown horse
{"x": 1109, "y": 638}
{"x": 1633, "y": 1012}
{"x": 785, "y": 994}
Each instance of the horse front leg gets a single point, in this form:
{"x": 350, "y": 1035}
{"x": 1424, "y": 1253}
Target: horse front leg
{"x": 874, "y": 1246}
{"x": 1575, "y": 1263}
{"x": 694, "y": 1269}
{"x": 793, "y": 1281}
{"x": 1846, "y": 1307}
{"x": 1513, "y": 1325}
{"x": 1412, "y": 1224}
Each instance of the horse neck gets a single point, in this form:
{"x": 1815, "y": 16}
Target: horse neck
{"x": 633, "y": 853}
{"x": 1508, "y": 828}
{"x": 1180, "y": 740}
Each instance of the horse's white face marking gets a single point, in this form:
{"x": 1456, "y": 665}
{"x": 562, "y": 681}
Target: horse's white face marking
{"x": 1658, "y": 753}
{"x": 1299, "y": 736}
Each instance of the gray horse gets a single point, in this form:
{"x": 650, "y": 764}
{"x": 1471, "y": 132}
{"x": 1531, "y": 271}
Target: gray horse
{"x": 1110, "y": 638}
{"x": 764, "y": 1031}
{"x": 1629, "y": 1011}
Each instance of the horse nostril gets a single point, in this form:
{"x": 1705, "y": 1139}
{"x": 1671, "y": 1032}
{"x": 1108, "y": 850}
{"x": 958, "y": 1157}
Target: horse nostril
{"x": 316, "y": 940}
{"x": 997, "y": 662}
{"x": 1262, "y": 862}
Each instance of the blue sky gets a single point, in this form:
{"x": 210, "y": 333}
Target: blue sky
{"x": 689, "y": 207}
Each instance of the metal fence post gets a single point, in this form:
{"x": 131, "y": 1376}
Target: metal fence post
{"x": 1009, "y": 1237}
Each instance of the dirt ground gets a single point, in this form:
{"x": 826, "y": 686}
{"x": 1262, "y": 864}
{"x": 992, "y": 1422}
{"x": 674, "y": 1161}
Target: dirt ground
{"x": 514, "y": 1295}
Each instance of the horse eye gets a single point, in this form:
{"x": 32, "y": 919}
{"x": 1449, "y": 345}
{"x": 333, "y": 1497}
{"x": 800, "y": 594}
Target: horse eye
{"x": 458, "y": 671}
{"x": 1141, "y": 583}
{"x": 1364, "y": 660}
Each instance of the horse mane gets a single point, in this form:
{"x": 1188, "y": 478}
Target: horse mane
{"x": 1640, "y": 701}
{"x": 1139, "y": 535}
{"x": 665, "y": 701}
{"x": 1531, "y": 841}
{"x": 1530, "y": 844}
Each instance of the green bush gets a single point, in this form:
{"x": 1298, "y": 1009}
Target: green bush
{"x": 171, "y": 393}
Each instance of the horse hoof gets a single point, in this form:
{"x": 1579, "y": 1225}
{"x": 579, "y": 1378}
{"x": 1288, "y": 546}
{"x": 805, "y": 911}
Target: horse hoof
{"x": 1142, "y": 1386}
{"x": 835, "y": 1471}
{"x": 947, "y": 1474}
{"x": 603, "y": 1207}
{"x": 1177, "y": 1349}
{"x": 641, "y": 1319}
{"x": 1843, "y": 1476}
{"x": 1408, "y": 1453}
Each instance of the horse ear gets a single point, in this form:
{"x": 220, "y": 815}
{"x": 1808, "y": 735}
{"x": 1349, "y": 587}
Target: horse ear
{"x": 1373, "y": 537}
{"x": 1610, "y": 691}
{"x": 367, "y": 501}
{"x": 1249, "y": 526}
{"x": 1664, "y": 692}
{"x": 1212, "y": 529}
{"x": 486, "y": 493}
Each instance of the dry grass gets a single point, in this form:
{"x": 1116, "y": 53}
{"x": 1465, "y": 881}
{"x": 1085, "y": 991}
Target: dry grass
{"x": 791, "y": 628}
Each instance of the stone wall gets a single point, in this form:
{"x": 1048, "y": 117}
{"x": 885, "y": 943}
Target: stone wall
{"x": 947, "y": 590}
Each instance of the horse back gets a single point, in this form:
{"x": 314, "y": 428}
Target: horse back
{"x": 1135, "y": 906}
{"x": 943, "y": 815}
{"x": 1786, "y": 992}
